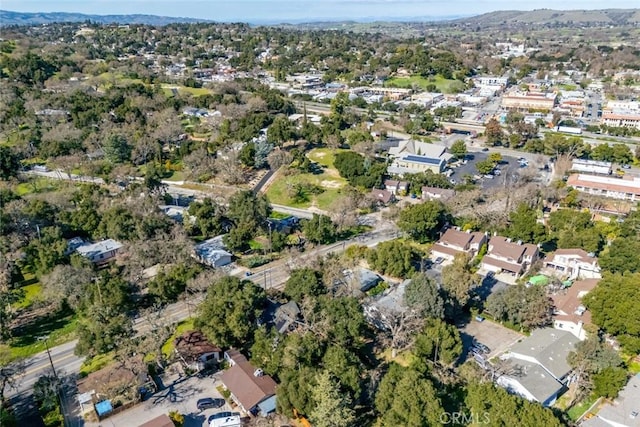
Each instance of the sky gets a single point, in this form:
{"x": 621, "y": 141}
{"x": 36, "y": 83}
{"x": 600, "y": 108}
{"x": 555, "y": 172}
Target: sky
{"x": 268, "y": 11}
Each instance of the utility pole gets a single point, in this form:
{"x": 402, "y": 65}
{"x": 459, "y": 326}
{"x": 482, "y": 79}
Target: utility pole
{"x": 46, "y": 346}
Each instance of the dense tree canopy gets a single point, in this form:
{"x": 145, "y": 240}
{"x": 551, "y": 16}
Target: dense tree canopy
{"x": 528, "y": 307}
{"x": 423, "y": 221}
{"x": 614, "y": 307}
{"x": 229, "y": 311}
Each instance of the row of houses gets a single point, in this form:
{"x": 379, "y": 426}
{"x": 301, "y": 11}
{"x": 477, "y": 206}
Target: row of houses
{"x": 514, "y": 258}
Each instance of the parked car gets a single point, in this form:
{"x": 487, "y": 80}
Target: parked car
{"x": 626, "y": 167}
{"x": 488, "y": 176}
{"x": 483, "y": 348}
{"x": 439, "y": 260}
{"x": 479, "y": 318}
{"x": 209, "y": 402}
{"x": 485, "y": 149}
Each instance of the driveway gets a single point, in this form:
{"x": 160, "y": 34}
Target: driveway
{"x": 493, "y": 335}
{"x": 181, "y": 396}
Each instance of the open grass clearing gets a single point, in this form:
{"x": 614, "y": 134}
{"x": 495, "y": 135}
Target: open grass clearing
{"x": 327, "y": 178}
{"x": 37, "y": 185}
{"x": 576, "y": 411}
{"x": 32, "y": 293}
{"x": 442, "y": 85}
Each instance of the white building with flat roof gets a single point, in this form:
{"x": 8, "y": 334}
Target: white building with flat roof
{"x": 607, "y": 186}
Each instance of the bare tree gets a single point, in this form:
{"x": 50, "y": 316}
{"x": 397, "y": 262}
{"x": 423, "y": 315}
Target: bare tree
{"x": 278, "y": 158}
{"x": 230, "y": 169}
{"x": 200, "y": 165}
{"x": 399, "y": 325}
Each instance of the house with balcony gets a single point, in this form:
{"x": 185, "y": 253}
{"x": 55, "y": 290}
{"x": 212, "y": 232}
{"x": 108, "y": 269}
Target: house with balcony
{"x": 505, "y": 256}
{"x": 570, "y": 314}
{"x": 573, "y": 264}
{"x": 454, "y": 242}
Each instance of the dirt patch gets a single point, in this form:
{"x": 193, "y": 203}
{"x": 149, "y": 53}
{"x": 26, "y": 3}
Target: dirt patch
{"x": 319, "y": 154}
{"x": 330, "y": 184}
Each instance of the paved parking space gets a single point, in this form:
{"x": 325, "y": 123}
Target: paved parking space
{"x": 182, "y": 396}
{"x": 496, "y": 337}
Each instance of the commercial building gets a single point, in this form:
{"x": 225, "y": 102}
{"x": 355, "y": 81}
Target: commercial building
{"x": 411, "y": 157}
{"x": 591, "y": 166}
{"x": 525, "y": 101}
{"x": 606, "y": 186}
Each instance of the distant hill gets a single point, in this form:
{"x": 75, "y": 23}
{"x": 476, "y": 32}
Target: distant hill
{"x": 542, "y": 17}
{"x": 21, "y": 18}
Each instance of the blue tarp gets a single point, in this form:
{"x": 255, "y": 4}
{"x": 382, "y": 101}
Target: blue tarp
{"x": 103, "y": 407}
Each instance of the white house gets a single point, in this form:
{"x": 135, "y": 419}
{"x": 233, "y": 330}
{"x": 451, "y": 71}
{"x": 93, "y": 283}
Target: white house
{"x": 212, "y": 252}
{"x": 570, "y": 314}
{"x": 99, "y": 252}
{"x": 573, "y": 264}
{"x": 538, "y": 365}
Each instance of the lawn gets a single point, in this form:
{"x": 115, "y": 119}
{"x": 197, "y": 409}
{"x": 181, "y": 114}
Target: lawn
{"x": 195, "y": 91}
{"x": 442, "y": 85}
{"x": 576, "y": 411}
{"x": 95, "y": 363}
{"x": 37, "y": 185}
{"x": 31, "y": 294}
{"x": 328, "y": 179}
{"x": 58, "y": 328}
{"x": 184, "y": 326}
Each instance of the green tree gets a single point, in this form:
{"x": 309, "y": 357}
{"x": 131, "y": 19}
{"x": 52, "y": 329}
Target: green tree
{"x": 485, "y": 167}
{"x": 493, "y": 405}
{"x": 245, "y": 207}
{"x": 609, "y": 381}
{"x": 438, "y": 342}
{"x": 247, "y": 154}
{"x": 614, "y": 308}
{"x": 407, "y": 398}
{"x": 332, "y": 407}
{"x": 229, "y": 312}
{"x": 459, "y": 149}
{"x": 296, "y": 391}
{"x": 528, "y": 307}
{"x": 621, "y": 255}
{"x": 302, "y": 283}
{"x": 209, "y": 218}
{"x": 590, "y": 357}
{"x": 393, "y": 258}
{"x": 459, "y": 280}
{"x": 423, "y": 295}
{"x": 9, "y": 163}
{"x": 280, "y": 131}
{"x": 524, "y": 226}
{"x": 46, "y": 252}
{"x": 423, "y": 221}
{"x": 320, "y": 229}
{"x": 117, "y": 149}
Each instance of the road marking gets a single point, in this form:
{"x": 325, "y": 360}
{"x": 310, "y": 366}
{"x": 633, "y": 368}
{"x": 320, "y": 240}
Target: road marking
{"x": 48, "y": 365}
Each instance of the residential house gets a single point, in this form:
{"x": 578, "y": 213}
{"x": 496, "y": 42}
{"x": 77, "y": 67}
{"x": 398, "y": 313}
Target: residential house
{"x": 397, "y": 187}
{"x": 391, "y": 300}
{"x": 212, "y": 252}
{"x": 195, "y": 351}
{"x": 573, "y": 264}
{"x": 570, "y": 314}
{"x": 454, "y": 242}
{"x": 250, "y": 388}
{"x": 431, "y": 193}
{"x": 411, "y": 157}
{"x": 503, "y": 255}
{"x": 383, "y": 197}
{"x": 99, "y": 252}
{"x": 538, "y": 368}
{"x": 623, "y": 411}
{"x": 362, "y": 279}
{"x": 286, "y": 316}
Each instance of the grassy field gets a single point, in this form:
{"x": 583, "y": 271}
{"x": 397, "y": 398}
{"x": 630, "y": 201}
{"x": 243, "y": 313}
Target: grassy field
{"x": 442, "y": 85}
{"x": 195, "y": 91}
{"x": 184, "y": 326}
{"x": 329, "y": 180}
{"x": 58, "y": 329}
{"x": 31, "y": 294}
{"x": 37, "y": 185}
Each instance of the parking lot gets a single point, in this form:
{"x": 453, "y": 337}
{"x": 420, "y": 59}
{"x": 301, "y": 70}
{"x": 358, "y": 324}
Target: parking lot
{"x": 496, "y": 337}
{"x": 181, "y": 396}
{"x": 508, "y": 167}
